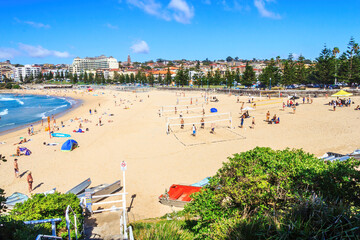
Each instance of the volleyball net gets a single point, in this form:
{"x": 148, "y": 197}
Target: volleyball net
{"x": 217, "y": 120}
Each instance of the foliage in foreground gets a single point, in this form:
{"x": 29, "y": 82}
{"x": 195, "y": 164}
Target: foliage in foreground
{"x": 162, "y": 230}
{"x": 286, "y": 194}
{"x": 36, "y": 208}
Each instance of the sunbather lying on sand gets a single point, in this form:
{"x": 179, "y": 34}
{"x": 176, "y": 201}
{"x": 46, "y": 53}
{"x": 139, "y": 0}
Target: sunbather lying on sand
{"x": 22, "y": 141}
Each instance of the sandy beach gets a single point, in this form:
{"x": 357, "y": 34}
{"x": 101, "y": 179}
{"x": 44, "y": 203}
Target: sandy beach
{"x": 157, "y": 160}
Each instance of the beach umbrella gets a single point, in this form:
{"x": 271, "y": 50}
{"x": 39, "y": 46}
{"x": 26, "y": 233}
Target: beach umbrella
{"x": 247, "y": 108}
{"x": 213, "y": 110}
{"x": 342, "y": 93}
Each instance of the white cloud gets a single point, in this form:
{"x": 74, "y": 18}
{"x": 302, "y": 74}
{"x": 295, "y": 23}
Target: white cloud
{"x": 140, "y": 47}
{"x": 178, "y": 10}
{"x": 8, "y": 53}
{"x": 151, "y": 7}
{"x": 40, "y": 52}
{"x": 260, "y": 5}
{"x": 111, "y": 26}
{"x": 234, "y": 5}
{"x": 182, "y": 12}
{"x": 33, "y": 24}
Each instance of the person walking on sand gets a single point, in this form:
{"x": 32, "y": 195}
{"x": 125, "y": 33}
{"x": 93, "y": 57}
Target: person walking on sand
{"x": 90, "y": 111}
{"x": 267, "y": 116}
{"x": 32, "y": 130}
{"x": 253, "y": 123}
{"x": 30, "y": 181}
{"x": 242, "y": 121}
{"x": 194, "y": 130}
{"x": 182, "y": 123}
{"x": 294, "y": 108}
{"x": 16, "y": 168}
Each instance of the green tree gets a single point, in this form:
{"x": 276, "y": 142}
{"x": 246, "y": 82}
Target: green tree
{"x": 209, "y": 78}
{"x": 160, "y": 80}
{"x": 229, "y": 59}
{"x": 300, "y": 71}
{"x": 182, "y": 77}
{"x": 151, "y": 79}
{"x": 91, "y": 78}
{"x": 229, "y": 77}
{"x": 271, "y": 73}
{"x": 289, "y": 74}
{"x": 217, "y": 77}
{"x": 132, "y": 78}
{"x": 127, "y": 78}
{"x": 86, "y": 78}
{"x": 325, "y": 66}
{"x": 168, "y": 78}
{"x": 237, "y": 76}
{"x": 249, "y": 75}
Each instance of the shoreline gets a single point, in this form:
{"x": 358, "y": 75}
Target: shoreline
{"x": 72, "y": 107}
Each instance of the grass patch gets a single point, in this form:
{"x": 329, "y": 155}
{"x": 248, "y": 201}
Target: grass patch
{"x": 160, "y": 229}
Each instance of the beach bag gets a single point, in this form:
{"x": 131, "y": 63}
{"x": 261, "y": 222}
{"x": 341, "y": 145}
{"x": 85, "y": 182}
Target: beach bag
{"x": 27, "y": 152}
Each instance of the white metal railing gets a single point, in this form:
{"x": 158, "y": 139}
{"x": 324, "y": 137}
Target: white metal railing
{"x": 69, "y": 222}
{"x": 40, "y": 236}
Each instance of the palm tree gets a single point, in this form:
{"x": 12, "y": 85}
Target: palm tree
{"x": 335, "y": 51}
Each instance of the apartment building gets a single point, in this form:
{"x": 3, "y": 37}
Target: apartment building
{"x": 26, "y": 71}
{"x": 93, "y": 63}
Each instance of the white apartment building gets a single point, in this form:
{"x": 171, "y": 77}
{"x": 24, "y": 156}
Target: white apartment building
{"x": 26, "y": 71}
{"x": 88, "y": 63}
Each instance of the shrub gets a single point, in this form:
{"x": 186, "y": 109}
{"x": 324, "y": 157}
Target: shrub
{"x": 265, "y": 182}
{"x": 42, "y": 206}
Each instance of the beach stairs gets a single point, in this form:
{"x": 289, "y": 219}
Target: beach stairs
{"x": 105, "y": 226}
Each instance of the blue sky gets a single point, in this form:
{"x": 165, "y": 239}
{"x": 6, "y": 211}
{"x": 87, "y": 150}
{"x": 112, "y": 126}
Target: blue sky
{"x": 43, "y": 31}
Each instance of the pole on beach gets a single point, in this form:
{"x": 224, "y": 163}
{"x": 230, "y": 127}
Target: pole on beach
{"x": 123, "y": 169}
{"x": 48, "y": 118}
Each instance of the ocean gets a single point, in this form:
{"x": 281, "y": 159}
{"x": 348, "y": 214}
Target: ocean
{"x": 21, "y": 110}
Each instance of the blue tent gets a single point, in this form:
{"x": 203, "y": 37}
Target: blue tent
{"x": 69, "y": 145}
{"x": 213, "y": 110}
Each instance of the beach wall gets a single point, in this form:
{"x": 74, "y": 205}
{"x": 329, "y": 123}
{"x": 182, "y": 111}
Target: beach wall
{"x": 273, "y": 93}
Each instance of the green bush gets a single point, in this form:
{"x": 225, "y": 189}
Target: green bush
{"x": 16, "y": 86}
{"x": 8, "y": 85}
{"x": 47, "y": 207}
{"x": 265, "y": 182}
{"x": 11, "y": 229}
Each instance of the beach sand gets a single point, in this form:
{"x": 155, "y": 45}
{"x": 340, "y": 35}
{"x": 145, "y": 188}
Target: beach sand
{"x": 157, "y": 160}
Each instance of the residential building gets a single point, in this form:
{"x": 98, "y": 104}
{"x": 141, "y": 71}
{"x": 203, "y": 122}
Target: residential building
{"x": 93, "y": 63}
{"x": 6, "y": 70}
{"x": 26, "y": 71}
